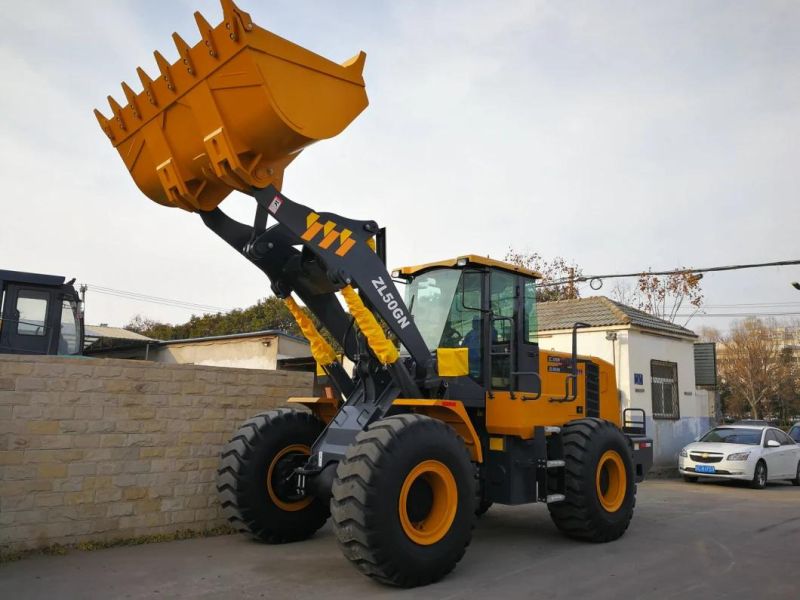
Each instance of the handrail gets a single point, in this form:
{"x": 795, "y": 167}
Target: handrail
{"x": 571, "y": 394}
{"x": 534, "y": 374}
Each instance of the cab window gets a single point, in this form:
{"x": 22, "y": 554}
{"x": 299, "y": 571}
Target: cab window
{"x": 531, "y": 326}
{"x": 502, "y": 297}
{"x": 31, "y": 312}
{"x": 68, "y": 340}
{"x": 503, "y": 293}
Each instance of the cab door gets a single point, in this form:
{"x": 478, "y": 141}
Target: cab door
{"x": 515, "y": 353}
{"x": 28, "y": 315}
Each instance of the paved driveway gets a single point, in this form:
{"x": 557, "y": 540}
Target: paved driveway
{"x": 713, "y": 540}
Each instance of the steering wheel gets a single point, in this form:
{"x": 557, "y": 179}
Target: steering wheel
{"x": 451, "y": 335}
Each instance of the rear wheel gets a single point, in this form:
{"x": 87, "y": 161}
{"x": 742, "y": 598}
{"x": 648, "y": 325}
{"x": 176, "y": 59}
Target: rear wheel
{"x": 759, "y": 476}
{"x": 255, "y": 482}
{"x": 403, "y": 502}
{"x": 796, "y": 480}
{"x": 600, "y": 487}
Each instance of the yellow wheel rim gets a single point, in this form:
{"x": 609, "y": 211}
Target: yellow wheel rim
{"x": 436, "y": 481}
{"x": 611, "y": 481}
{"x": 283, "y": 505}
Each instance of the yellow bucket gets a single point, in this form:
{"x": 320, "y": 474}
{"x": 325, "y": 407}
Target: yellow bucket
{"x": 231, "y": 113}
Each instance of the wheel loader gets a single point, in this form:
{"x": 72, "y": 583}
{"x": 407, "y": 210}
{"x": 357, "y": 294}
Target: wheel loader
{"x": 451, "y": 406}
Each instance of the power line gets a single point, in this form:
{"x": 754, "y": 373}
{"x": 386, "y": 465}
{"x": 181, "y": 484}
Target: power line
{"x": 129, "y": 295}
{"x": 778, "y": 263}
{"x": 599, "y": 278}
{"x": 760, "y": 304}
{"x": 743, "y": 314}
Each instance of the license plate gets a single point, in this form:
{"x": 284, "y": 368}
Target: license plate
{"x": 705, "y": 469}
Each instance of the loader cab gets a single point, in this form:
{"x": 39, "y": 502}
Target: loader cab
{"x": 40, "y": 314}
{"x": 485, "y": 307}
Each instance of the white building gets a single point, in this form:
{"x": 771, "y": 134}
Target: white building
{"x": 267, "y": 349}
{"x": 653, "y": 360}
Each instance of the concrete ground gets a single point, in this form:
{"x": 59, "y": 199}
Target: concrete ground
{"x": 707, "y": 540}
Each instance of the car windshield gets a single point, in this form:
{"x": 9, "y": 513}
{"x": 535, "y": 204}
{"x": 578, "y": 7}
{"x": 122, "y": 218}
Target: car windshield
{"x": 794, "y": 433}
{"x": 733, "y": 435}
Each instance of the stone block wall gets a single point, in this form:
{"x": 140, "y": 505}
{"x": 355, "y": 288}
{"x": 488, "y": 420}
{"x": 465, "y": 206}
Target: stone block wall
{"x": 100, "y": 449}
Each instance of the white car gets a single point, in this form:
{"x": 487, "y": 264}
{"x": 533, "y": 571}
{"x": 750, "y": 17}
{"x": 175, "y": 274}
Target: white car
{"x": 750, "y": 453}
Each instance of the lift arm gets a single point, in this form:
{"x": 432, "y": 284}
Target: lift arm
{"x": 337, "y": 255}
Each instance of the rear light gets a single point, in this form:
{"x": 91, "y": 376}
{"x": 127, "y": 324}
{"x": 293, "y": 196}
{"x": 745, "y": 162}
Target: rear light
{"x": 641, "y": 445}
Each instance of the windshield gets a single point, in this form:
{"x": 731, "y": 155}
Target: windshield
{"x": 437, "y": 301}
{"x": 794, "y": 433}
{"x": 733, "y": 435}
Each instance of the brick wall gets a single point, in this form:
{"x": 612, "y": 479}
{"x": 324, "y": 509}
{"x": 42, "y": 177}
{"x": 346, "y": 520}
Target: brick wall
{"x": 99, "y": 449}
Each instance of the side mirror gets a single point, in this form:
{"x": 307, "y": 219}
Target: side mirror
{"x": 773, "y": 444}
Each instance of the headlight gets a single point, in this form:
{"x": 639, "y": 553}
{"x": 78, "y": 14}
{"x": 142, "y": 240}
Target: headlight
{"x": 739, "y": 456}
{"x": 684, "y": 453}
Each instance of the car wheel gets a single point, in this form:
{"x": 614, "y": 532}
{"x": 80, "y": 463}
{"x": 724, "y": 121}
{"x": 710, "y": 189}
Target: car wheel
{"x": 759, "y": 476}
{"x": 796, "y": 480}
{"x": 690, "y": 478}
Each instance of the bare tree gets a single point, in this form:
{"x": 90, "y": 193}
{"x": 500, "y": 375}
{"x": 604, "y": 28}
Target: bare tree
{"x": 556, "y": 269}
{"x": 710, "y": 334}
{"x": 663, "y": 296}
{"x": 750, "y": 365}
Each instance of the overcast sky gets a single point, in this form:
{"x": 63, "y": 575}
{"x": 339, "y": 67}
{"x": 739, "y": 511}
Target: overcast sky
{"x": 621, "y": 135}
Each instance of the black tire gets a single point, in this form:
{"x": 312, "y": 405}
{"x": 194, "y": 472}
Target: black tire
{"x": 796, "y": 480}
{"x": 254, "y": 503}
{"x": 483, "y": 506}
{"x": 368, "y": 492}
{"x": 759, "y": 481}
{"x": 583, "y": 515}
{"x": 690, "y": 478}
{"x": 482, "y": 503}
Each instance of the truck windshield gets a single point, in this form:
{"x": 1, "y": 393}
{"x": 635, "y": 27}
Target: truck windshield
{"x": 445, "y": 306}
{"x": 69, "y": 340}
{"x": 429, "y": 298}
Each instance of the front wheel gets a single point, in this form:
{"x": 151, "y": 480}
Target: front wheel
{"x": 403, "y": 501}
{"x": 255, "y": 482}
{"x": 690, "y": 478}
{"x": 600, "y": 487}
{"x": 759, "y": 476}
{"x": 796, "y": 480}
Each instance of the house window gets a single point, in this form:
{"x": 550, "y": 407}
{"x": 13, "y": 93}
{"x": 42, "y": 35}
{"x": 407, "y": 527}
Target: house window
{"x": 664, "y": 383}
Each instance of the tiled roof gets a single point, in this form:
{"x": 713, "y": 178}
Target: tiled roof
{"x": 599, "y": 311}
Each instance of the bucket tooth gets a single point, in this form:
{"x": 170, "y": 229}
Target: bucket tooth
{"x": 132, "y": 101}
{"x": 117, "y": 110}
{"x": 183, "y": 51}
{"x": 235, "y": 18}
{"x": 356, "y": 63}
{"x": 105, "y": 125}
{"x": 205, "y": 31}
{"x": 147, "y": 84}
{"x": 164, "y": 67}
